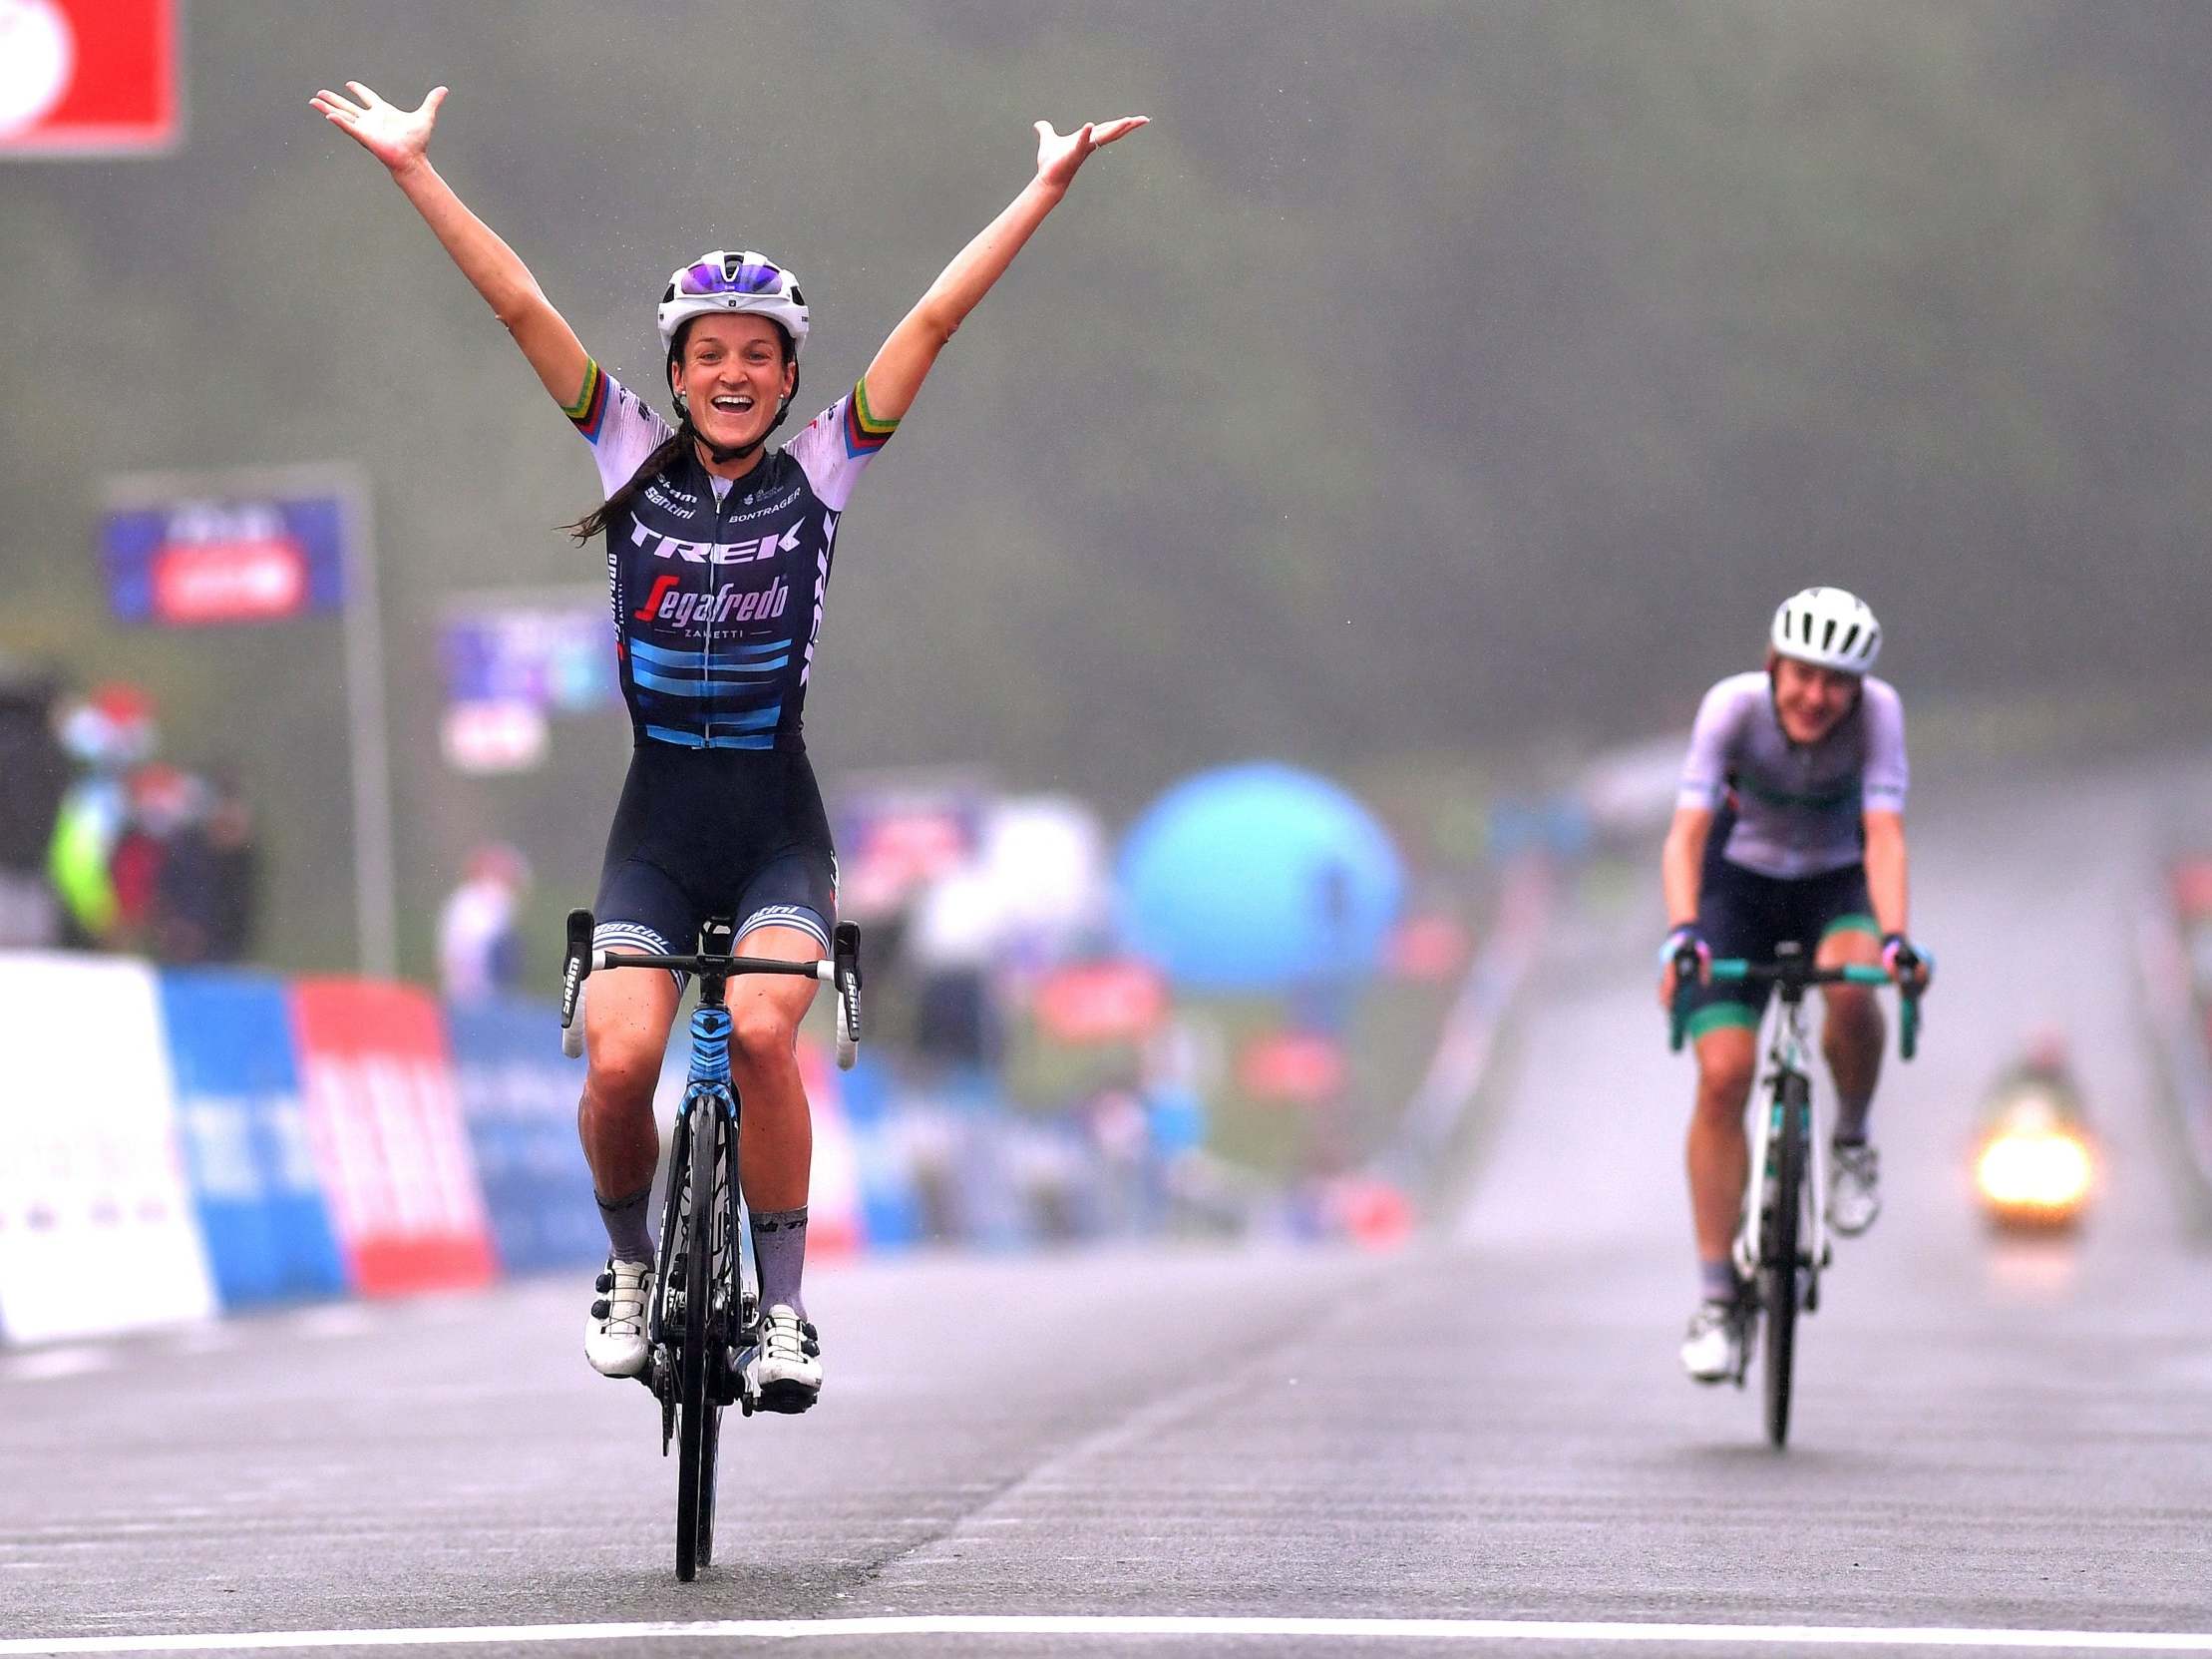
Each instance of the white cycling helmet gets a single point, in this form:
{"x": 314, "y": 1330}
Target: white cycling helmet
{"x": 1828, "y": 628}
{"x": 717, "y": 283}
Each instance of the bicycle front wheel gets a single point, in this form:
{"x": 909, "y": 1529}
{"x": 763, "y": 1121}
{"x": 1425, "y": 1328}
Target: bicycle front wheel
{"x": 1779, "y": 1251}
{"x": 698, "y": 1415}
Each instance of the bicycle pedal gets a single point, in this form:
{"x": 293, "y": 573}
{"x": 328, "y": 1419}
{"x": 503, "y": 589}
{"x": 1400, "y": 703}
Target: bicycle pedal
{"x": 788, "y": 1399}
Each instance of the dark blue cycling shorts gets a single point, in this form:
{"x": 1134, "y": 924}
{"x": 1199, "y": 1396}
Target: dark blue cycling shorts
{"x": 715, "y": 832}
{"x": 1745, "y": 914}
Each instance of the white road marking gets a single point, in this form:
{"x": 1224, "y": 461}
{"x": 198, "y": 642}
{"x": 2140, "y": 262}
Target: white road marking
{"x": 1315, "y": 1629}
{"x": 44, "y": 1364}
{"x": 334, "y": 1319}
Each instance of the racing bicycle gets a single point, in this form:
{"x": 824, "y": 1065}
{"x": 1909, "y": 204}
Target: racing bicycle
{"x": 704, "y": 1319}
{"x": 1782, "y": 1246}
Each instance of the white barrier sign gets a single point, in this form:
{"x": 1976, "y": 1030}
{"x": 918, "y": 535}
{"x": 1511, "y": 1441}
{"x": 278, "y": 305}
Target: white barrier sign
{"x": 96, "y": 1227}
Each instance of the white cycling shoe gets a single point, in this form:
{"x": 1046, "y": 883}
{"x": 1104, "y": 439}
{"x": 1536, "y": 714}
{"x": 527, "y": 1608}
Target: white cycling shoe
{"x": 785, "y": 1371}
{"x": 1713, "y": 1347}
{"x": 1854, "y": 1187}
{"x": 615, "y": 1335}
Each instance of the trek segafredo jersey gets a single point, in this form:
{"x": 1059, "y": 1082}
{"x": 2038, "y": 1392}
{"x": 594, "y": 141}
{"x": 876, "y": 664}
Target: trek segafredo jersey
{"x": 1798, "y": 805}
{"x": 718, "y": 586}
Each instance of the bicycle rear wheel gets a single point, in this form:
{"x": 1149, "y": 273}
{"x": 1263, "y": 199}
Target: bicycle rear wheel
{"x": 698, "y": 1415}
{"x": 1778, "y": 1252}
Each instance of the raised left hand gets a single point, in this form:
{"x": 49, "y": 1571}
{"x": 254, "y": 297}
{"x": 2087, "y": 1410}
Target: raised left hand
{"x": 1060, "y": 153}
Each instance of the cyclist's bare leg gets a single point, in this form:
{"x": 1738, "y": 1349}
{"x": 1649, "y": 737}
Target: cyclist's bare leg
{"x": 626, "y": 1016}
{"x": 1852, "y": 1033}
{"x": 776, "y": 1133}
{"x": 775, "y": 1147}
{"x": 1719, "y": 1154}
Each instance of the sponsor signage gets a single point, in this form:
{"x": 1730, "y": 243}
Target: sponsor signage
{"x": 244, "y": 1132}
{"x": 97, "y": 1230}
{"x": 1101, "y": 1002}
{"x": 228, "y": 559}
{"x": 555, "y": 652}
{"x": 520, "y": 1099}
{"x": 89, "y": 77}
{"x": 513, "y": 660}
{"x": 895, "y": 839}
{"x": 487, "y": 737}
{"x": 384, "y": 1128}
{"x": 1291, "y": 1067}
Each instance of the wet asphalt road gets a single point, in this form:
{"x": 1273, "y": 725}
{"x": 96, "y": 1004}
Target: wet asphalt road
{"x": 1485, "y": 1426}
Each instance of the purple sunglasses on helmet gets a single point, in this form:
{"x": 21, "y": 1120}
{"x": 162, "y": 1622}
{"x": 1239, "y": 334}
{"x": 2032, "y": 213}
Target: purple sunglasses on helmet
{"x": 714, "y": 276}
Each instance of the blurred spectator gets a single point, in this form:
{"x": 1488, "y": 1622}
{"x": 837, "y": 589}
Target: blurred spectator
{"x": 479, "y": 941}
{"x": 206, "y": 889}
{"x": 109, "y": 734}
{"x": 956, "y": 928}
{"x": 2043, "y": 1067}
{"x": 35, "y": 771}
{"x": 161, "y": 802}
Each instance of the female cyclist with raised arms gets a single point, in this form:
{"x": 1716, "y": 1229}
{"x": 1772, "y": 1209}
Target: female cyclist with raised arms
{"x": 718, "y": 556}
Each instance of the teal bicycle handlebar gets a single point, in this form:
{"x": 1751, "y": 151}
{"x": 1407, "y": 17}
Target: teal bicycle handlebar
{"x": 1800, "y": 975}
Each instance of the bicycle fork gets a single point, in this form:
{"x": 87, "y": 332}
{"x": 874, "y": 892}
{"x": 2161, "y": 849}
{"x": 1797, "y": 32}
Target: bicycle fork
{"x": 1815, "y": 1251}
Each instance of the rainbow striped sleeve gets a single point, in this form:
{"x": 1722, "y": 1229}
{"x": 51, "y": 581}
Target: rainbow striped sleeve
{"x": 865, "y": 434}
{"x": 590, "y": 408}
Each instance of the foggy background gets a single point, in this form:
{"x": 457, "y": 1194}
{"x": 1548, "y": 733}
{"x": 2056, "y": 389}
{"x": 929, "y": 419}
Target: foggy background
{"x": 1436, "y": 397}
{"x": 1427, "y": 384}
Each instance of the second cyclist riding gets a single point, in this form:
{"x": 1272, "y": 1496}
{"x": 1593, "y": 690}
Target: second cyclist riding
{"x": 1782, "y": 1245}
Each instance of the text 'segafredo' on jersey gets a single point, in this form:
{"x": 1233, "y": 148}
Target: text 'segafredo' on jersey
{"x": 718, "y": 588}
{"x": 1798, "y": 806}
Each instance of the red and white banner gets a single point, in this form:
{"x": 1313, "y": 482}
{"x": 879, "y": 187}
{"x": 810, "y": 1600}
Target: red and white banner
{"x": 385, "y": 1128}
{"x": 97, "y": 1228}
{"x": 89, "y": 77}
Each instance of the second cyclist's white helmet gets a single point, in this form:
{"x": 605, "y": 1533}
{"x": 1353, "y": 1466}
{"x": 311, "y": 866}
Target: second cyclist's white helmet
{"x": 1829, "y": 627}
{"x": 718, "y": 283}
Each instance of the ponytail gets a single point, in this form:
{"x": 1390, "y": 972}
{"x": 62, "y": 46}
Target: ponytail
{"x": 596, "y": 521}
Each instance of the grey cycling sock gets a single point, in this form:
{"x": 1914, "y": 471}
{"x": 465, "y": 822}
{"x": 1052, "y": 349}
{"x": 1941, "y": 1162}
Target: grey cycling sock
{"x": 1717, "y": 1281}
{"x": 780, "y": 1254}
{"x": 1851, "y": 1118}
{"x": 629, "y": 1229}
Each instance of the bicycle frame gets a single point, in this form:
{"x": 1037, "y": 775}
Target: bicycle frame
{"x": 1786, "y": 1057}
{"x": 702, "y": 1320}
{"x": 707, "y": 1087}
{"x": 1791, "y": 976}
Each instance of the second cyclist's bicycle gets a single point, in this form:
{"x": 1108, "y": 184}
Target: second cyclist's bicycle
{"x": 703, "y": 1318}
{"x": 1782, "y": 1246}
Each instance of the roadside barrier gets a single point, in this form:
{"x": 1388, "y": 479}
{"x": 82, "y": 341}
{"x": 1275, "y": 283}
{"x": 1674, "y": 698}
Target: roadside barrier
{"x": 98, "y": 1230}
{"x": 2181, "y": 1038}
{"x": 178, "y": 1144}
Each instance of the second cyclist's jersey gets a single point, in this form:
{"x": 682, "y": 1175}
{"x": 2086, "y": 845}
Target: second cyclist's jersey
{"x": 718, "y": 585}
{"x": 1798, "y": 806}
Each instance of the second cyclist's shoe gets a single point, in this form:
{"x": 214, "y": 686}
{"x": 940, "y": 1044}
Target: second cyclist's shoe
{"x": 1854, "y": 1187}
{"x": 1713, "y": 1347}
{"x": 615, "y": 1336}
{"x": 785, "y": 1368}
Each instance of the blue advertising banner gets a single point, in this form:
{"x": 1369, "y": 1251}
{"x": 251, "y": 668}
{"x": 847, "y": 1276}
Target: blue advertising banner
{"x": 519, "y": 1100}
{"x": 552, "y": 652}
{"x": 890, "y": 1209}
{"x": 243, "y": 1132}
{"x": 225, "y": 557}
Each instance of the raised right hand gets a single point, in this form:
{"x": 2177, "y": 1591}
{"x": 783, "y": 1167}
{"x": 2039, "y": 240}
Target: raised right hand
{"x": 398, "y": 137}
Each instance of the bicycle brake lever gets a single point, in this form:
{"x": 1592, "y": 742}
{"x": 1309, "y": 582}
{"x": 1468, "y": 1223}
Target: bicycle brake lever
{"x": 576, "y": 964}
